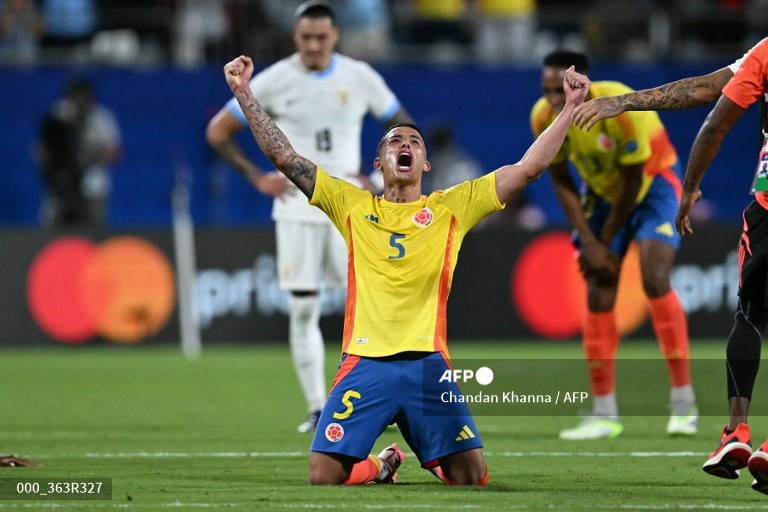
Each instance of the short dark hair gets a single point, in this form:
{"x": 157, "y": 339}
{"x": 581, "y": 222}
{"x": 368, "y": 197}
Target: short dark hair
{"x": 315, "y": 9}
{"x": 566, "y": 59}
{"x": 399, "y": 125}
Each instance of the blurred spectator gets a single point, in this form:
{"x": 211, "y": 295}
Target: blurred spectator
{"x": 365, "y": 27}
{"x": 79, "y": 140}
{"x": 618, "y": 29}
{"x": 200, "y": 25}
{"x": 451, "y": 165}
{"x": 21, "y": 27}
{"x": 69, "y": 22}
{"x": 280, "y": 15}
{"x": 440, "y": 25}
{"x": 506, "y": 30}
{"x": 757, "y": 19}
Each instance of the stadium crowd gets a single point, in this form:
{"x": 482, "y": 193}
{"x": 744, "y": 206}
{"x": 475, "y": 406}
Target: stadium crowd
{"x": 194, "y": 32}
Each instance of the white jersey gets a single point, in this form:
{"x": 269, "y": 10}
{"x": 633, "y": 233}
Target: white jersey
{"x": 322, "y": 114}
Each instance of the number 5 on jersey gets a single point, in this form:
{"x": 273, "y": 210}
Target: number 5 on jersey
{"x": 394, "y": 242}
{"x": 347, "y": 400}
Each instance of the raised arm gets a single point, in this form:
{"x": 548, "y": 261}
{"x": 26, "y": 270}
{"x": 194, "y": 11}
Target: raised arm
{"x": 271, "y": 140}
{"x": 706, "y": 146}
{"x": 511, "y": 179}
{"x": 685, "y": 93}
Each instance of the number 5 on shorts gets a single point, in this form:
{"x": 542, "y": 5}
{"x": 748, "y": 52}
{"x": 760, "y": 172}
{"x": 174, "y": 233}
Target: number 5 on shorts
{"x": 346, "y": 400}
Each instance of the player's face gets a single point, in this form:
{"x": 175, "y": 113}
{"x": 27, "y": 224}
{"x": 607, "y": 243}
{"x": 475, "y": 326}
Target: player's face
{"x": 403, "y": 158}
{"x": 552, "y": 86}
{"x": 315, "y": 39}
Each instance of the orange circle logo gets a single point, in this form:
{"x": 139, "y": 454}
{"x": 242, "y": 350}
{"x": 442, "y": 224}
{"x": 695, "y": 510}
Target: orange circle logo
{"x": 122, "y": 289}
{"x": 551, "y": 296}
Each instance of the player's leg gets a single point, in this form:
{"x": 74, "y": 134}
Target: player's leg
{"x": 671, "y": 327}
{"x": 463, "y": 468}
{"x": 299, "y": 260}
{"x": 600, "y": 340}
{"x": 359, "y": 407}
{"x": 744, "y": 345}
{"x": 653, "y": 226}
{"x": 441, "y": 432}
{"x": 337, "y": 469}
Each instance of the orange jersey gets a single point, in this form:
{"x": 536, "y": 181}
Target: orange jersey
{"x": 401, "y": 258}
{"x": 749, "y": 82}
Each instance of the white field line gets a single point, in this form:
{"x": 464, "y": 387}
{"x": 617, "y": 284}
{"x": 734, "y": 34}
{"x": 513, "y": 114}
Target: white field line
{"x": 288, "y": 455}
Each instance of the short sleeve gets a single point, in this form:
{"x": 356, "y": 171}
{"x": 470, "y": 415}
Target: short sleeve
{"x": 336, "y": 198}
{"x": 382, "y": 102}
{"x": 472, "y": 200}
{"x": 748, "y": 84}
{"x": 631, "y": 130}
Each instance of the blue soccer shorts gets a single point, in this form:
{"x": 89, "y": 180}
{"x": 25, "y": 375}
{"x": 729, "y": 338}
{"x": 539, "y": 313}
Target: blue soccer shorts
{"x": 370, "y": 393}
{"x": 652, "y": 219}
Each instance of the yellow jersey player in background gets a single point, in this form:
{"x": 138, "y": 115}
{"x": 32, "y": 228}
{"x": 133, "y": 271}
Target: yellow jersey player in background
{"x": 630, "y": 191}
{"x": 402, "y": 249}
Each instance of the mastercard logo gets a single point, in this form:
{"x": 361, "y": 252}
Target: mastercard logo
{"x": 551, "y": 296}
{"x": 122, "y": 289}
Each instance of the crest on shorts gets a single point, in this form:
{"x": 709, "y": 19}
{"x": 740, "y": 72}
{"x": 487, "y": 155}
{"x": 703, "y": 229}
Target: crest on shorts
{"x": 423, "y": 218}
{"x": 334, "y": 432}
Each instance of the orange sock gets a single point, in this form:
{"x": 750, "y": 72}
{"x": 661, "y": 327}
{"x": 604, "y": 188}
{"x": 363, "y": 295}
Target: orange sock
{"x": 364, "y": 471}
{"x": 671, "y": 328}
{"x": 439, "y": 472}
{"x": 601, "y": 339}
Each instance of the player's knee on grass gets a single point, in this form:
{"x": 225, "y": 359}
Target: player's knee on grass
{"x": 465, "y": 468}
{"x": 329, "y": 469}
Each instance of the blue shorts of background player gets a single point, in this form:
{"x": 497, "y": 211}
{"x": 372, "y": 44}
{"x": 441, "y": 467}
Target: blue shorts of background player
{"x": 370, "y": 393}
{"x": 652, "y": 219}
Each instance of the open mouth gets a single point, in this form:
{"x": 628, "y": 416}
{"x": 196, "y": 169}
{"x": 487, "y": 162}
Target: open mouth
{"x": 404, "y": 161}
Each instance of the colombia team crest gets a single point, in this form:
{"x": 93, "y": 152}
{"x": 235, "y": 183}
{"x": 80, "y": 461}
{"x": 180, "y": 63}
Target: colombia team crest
{"x": 423, "y": 218}
{"x": 334, "y": 432}
{"x": 605, "y": 143}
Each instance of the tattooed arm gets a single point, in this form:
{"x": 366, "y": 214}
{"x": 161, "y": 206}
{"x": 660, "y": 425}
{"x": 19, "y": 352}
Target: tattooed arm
{"x": 220, "y": 135}
{"x": 685, "y": 93}
{"x": 270, "y": 139}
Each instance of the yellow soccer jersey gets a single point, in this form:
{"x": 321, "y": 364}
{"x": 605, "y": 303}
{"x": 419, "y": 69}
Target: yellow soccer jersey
{"x": 401, "y": 258}
{"x": 629, "y": 139}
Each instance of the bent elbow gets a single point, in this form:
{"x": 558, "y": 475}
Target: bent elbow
{"x": 214, "y": 136}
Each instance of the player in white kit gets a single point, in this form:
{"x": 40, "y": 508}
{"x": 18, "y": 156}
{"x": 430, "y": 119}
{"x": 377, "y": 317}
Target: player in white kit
{"x": 318, "y": 98}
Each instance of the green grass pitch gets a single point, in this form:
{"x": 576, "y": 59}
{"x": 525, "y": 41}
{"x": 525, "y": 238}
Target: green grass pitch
{"x": 219, "y": 433}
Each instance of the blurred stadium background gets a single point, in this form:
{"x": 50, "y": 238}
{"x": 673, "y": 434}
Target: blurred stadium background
{"x": 219, "y": 431}
{"x": 157, "y": 66}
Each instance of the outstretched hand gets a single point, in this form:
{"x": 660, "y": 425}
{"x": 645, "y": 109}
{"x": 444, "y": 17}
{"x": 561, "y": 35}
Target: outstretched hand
{"x": 238, "y": 73}
{"x": 576, "y": 86}
{"x": 589, "y": 113}
{"x": 682, "y": 222}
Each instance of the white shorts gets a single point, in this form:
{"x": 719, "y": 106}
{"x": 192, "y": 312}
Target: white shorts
{"x": 308, "y": 254}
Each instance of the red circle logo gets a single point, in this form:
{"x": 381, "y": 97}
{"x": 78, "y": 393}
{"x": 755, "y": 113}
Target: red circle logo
{"x": 334, "y": 432}
{"x": 122, "y": 289}
{"x": 550, "y": 294}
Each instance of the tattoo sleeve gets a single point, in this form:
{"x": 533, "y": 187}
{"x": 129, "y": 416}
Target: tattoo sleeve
{"x": 275, "y": 146}
{"x": 685, "y": 93}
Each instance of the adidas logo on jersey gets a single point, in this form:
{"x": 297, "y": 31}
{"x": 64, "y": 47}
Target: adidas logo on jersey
{"x": 372, "y": 218}
{"x": 466, "y": 433}
{"x": 665, "y": 229}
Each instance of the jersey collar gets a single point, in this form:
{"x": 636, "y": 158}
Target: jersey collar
{"x": 319, "y": 75}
